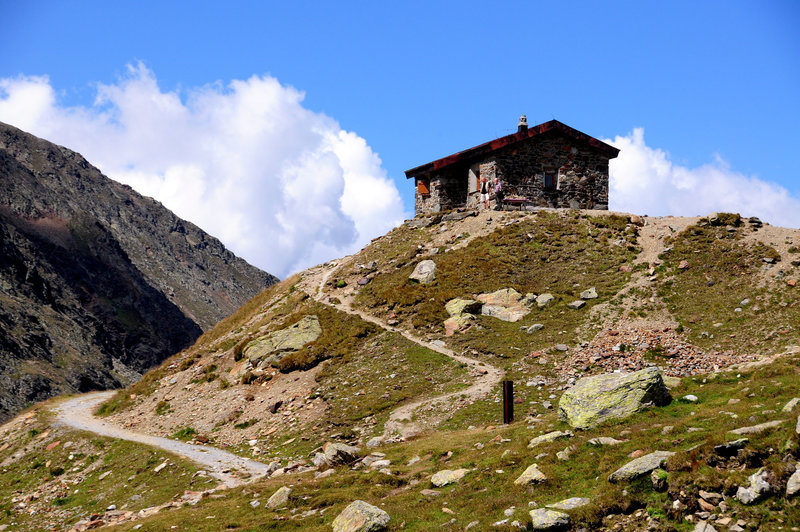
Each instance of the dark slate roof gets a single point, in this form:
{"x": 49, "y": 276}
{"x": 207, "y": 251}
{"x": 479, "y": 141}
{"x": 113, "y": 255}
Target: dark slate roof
{"x": 484, "y": 149}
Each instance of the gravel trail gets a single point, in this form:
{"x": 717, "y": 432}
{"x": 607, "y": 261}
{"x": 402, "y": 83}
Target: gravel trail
{"x": 76, "y": 412}
{"x": 400, "y": 422}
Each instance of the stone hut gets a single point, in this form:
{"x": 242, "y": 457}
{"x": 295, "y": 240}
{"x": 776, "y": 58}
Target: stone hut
{"x": 549, "y": 165}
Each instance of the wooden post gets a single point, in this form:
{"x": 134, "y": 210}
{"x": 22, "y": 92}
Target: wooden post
{"x": 508, "y": 402}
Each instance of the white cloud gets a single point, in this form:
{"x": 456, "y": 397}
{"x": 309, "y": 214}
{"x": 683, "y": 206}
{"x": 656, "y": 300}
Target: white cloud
{"x": 281, "y": 186}
{"x": 644, "y": 180}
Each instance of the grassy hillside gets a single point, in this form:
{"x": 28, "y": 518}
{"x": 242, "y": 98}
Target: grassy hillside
{"x": 699, "y": 298}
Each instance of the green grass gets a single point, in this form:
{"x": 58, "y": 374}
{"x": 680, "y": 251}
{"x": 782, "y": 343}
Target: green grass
{"x": 488, "y": 489}
{"x": 67, "y": 477}
{"x": 562, "y": 254}
{"x": 723, "y": 271}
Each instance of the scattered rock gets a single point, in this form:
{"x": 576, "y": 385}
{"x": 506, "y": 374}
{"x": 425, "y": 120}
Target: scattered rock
{"x": 430, "y": 493}
{"x": 604, "y": 440}
{"x": 594, "y": 400}
{"x": 447, "y": 476}
{"x": 640, "y": 466}
{"x": 731, "y": 448}
{"x": 562, "y": 347}
{"x": 255, "y": 504}
{"x": 788, "y": 407}
{"x": 793, "y": 484}
{"x": 577, "y": 304}
{"x": 550, "y": 436}
{"x": 757, "y": 489}
{"x": 689, "y": 398}
{"x": 544, "y": 299}
{"x": 570, "y": 504}
{"x": 505, "y": 304}
{"x": 360, "y": 516}
{"x": 755, "y": 429}
{"x": 271, "y": 348}
{"x": 710, "y": 496}
{"x": 424, "y": 272}
{"x": 457, "y": 323}
{"x": 683, "y": 265}
{"x": 544, "y": 519}
{"x": 337, "y": 453}
{"x": 458, "y": 216}
{"x": 532, "y": 475}
{"x": 659, "y": 478}
{"x": 457, "y": 306}
{"x": 704, "y": 526}
{"x": 533, "y": 328}
{"x": 589, "y": 294}
{"x": 160, "y": 467}
{"x": 280, "y": 497}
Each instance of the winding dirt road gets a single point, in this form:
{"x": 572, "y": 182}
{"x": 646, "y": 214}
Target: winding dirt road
{"x": 77, "y": 412}
{"x": 400, "y": 420}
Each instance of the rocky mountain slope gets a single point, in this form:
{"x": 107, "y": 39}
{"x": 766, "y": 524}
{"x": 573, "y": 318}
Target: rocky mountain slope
{"x": 655, "y": 371}
{"x": 97, "y": 283}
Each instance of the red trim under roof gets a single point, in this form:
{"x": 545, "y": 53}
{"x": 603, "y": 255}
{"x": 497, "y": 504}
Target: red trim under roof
{"x": 508, "y": 140}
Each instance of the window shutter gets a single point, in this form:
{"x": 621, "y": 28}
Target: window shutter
{"x": 423, "y": 187}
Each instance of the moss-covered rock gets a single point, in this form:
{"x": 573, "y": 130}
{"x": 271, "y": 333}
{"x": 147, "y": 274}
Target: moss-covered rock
{"x": 544, "y": 519}
{"x": 640, "y": 466}
{"x": 457, "y": 306}
{"x": 531, "y": 475}
{"x": 360, "y": 516}
{"x": 447, "y": 476}
{"x": 594, "y": 400}
{"x": 271, "y": 348}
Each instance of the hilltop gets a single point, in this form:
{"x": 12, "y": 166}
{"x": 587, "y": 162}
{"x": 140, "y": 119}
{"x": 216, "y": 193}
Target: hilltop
{"x": 97, "y": 283}
{"x": 356, "y": 352}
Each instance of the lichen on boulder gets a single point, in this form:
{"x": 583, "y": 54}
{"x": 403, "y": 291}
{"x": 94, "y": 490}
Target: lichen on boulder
{"x": 594, "y": 400}
{"x": 360, "y": 516}
{"x": 504, "y": 304}
{"x": 269, "y": 349}
{"x": 424, "y": 272}
{"x": 447, "y": 476}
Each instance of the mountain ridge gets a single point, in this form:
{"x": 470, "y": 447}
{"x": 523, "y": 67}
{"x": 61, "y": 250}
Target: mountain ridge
{"x": 96, "y": 279}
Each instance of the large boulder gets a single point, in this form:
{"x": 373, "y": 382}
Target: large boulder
{"x": 532, "y": 475}
{"x": 456, "y": 323}
{"x": 758, "y": 488}
{"x": 547, "y": 438}
{"x": 544, "y": 519}
{"x": 447, "y": 476}
{"x": 544, "y": 299}
{"x": 570, "y": 504}
{"x": 458, "y": 306}
{"x": 594, "y": 400}
{"x": 339, "y": 453}
{"x": 270, "y": 349}
{"x": 424, "y": 272}
{"x": 360, "y": 516}
{"x": 591, "y": 293}
{"x": 793, "y": 484}
{"x": 640, "y": 466}
{"x": 279, "y": 498}
{"x": 505, "y": 304}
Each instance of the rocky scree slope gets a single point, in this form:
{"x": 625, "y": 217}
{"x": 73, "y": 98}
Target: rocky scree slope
{"x": 97, "y": 282}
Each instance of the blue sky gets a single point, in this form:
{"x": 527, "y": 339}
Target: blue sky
{"x": 711, "y": 86}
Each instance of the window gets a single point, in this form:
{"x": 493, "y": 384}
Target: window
{"x": 550, "y": 178}
{"x": 424, "y": 187}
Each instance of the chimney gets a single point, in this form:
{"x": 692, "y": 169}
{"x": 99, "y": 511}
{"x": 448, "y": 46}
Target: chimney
{"x": 523, "y": 124}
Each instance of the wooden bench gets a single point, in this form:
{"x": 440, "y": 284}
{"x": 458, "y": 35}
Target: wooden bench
{"x": 520, "y": 202}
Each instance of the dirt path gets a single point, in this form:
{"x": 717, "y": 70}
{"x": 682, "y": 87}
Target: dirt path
{"x": 227, "y": 467}
{"x": 400, "y": 422}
